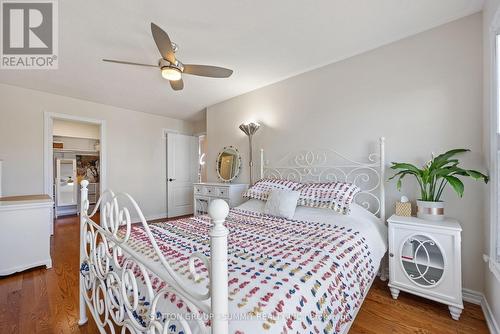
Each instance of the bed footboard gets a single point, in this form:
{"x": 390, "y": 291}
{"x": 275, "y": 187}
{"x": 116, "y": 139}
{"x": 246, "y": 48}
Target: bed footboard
{"x": 117, "y": 284}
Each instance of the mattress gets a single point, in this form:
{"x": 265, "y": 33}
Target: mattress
{"x": 308, "y": 274}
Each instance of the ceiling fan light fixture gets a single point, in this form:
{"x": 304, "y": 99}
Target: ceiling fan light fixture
{"x": 171, "y": 73}
{"x": 171, "y": 68}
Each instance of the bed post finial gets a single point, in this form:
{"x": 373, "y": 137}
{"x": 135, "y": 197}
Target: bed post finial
{"x": 218, "y": 211}
{"x": 84, "y": 195}
{"x": 382, "y": 179}
{"x": 83, "y": 216}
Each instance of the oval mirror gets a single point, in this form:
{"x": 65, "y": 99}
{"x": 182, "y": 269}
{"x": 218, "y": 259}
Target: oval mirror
{"x": 228, "y": 164}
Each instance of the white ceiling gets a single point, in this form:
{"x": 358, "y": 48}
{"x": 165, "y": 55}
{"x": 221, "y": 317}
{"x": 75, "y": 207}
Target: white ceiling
{"x": 263, "y": 41}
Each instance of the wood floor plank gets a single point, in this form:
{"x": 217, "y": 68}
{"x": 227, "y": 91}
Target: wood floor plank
{"x": 27, "y": 316}
{"x": 41, "y": 300}
{"x": 46, "y": 301}
{"x": 411, "y": 314}
{"x": 10, "y": 292}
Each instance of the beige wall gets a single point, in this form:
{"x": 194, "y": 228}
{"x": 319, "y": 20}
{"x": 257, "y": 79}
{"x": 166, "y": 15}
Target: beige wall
{"x": 200, "y": 126}
{"x": 75, "y": 129}
{"x": 135, "y": 145}
{"x": 491, "y": 285}
{"x": 423, "y": 93}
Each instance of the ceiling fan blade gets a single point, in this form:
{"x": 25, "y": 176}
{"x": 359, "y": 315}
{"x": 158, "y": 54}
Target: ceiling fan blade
{"x": 207, "y": 71}
{"x": 163, "y": 43}
{"x": 177, "y": 84}
{"x": 127, "y": 63}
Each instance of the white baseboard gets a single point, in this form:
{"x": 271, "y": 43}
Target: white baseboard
{"x": 47, "y": 263}
{"x": 478, "y": 298}
{"x": 150, "y": 217}
{"x": 156, "y": 216}
{"x": 472, "y": 296}
{"x": 66, "y": 211}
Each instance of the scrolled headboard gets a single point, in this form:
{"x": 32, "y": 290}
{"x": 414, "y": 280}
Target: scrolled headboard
{"x": 318, "y": 166}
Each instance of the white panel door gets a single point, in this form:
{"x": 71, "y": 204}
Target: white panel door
{"x": 182, "y": 171}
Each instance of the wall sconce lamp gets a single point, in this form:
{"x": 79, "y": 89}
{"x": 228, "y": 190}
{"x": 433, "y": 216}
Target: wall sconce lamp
{"x": 250, "y": 129}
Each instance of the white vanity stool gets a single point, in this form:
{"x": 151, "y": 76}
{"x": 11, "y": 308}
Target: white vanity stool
{"x": 425, "y": 260}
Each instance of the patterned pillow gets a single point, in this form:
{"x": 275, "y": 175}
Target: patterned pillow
{"x": 262, "y": 188}
{"x": 337, "y": 196}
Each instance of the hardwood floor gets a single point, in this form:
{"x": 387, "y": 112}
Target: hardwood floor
{"x": 45, "y": 301}
{"x": 411, "y": 314}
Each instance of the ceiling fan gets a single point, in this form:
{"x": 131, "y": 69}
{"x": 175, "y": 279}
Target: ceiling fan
{"x": 171, "y": 68}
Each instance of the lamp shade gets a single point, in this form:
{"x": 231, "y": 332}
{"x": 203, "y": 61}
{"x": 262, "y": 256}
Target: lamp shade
{"x": 249, "y": 128}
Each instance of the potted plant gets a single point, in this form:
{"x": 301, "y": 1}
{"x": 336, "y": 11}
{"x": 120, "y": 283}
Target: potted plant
{"x": 433, "y": 178}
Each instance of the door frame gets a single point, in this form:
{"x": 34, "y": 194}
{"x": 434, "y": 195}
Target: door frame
{"x": 165, "y": 133}
{"x": 48, "y": 152}
{"x": 494, "y": 145}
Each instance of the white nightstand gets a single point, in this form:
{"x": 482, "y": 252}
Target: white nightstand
{"x": 232, "y": 193}
{"x": 425, "y": 260}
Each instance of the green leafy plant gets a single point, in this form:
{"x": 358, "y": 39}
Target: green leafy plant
{"x": 433, "y": 177}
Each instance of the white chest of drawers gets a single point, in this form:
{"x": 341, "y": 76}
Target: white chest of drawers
{"x": 232, "y": 193}
{"x": 26, "y": 223}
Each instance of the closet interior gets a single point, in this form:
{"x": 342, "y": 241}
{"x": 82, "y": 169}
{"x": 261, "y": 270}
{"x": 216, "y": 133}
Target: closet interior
{"x": 76, "y": 156}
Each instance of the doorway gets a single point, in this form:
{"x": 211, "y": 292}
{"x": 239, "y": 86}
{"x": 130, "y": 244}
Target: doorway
{"x": 202, "y": 157}
{"x": 182, "y": 173}
{"x": 74, "y": 150}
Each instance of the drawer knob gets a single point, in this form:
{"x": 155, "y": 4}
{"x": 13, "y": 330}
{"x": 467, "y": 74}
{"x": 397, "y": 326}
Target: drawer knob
{"x": 391, "y": 254}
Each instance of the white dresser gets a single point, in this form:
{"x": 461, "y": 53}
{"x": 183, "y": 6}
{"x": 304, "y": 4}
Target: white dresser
{"x": 26, "y": 223}
{"x": 425, "y": 260}
{"x": 232, "y": 193}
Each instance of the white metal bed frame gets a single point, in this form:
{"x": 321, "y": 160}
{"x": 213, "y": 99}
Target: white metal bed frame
{"x": 112, "y": 295}
{"x": 316, "y": 166}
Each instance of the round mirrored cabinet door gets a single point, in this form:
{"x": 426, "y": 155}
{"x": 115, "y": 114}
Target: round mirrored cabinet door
{"x": 422, "y": 260}
{"x": 228, "y": 164}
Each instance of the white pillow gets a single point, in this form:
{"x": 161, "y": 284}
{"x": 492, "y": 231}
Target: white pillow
{"x": 282, "y": 203}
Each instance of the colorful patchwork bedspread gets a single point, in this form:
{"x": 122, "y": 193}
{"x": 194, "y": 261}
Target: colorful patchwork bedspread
{"x": 285, "y": 276}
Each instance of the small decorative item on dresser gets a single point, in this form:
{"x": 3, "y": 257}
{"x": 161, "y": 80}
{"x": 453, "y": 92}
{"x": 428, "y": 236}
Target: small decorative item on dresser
{"x": 432, "y": 178}
{"x": 403, "y": 207}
